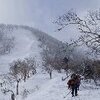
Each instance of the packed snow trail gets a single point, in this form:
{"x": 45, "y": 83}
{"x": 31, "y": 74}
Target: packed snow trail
{"x": 43, "y": 88}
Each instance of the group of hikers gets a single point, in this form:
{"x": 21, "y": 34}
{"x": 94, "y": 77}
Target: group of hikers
{"x": 74, "y": 83}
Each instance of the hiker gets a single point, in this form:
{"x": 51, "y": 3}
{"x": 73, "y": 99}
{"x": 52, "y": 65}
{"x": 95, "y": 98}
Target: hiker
{"x": 78, "y": 81}
{"x": 73, "y": 84}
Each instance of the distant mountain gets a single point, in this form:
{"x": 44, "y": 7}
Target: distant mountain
{"x": 18, "y": 42}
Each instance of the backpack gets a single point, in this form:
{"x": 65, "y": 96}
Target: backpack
{"x": 70, "y": 83}
{"x": 78, "y": 78}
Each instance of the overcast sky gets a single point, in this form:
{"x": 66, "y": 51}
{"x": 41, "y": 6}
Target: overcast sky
{"x": 41, "y": 13}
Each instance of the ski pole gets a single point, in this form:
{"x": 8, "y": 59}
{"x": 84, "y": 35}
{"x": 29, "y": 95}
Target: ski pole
{"x": 67, "y": 94}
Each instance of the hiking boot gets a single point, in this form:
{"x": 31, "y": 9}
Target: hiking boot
{"x": 76, "y": 94}
{"x": 72, "y": 95}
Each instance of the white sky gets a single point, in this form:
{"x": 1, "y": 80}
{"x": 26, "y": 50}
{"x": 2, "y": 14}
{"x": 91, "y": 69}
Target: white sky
{"x": 41, "y": 13}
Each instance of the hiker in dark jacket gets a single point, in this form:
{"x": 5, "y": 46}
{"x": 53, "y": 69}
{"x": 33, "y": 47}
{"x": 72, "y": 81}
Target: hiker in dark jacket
{"x": 73, "y": 84}
{"x": 78, "y": 81}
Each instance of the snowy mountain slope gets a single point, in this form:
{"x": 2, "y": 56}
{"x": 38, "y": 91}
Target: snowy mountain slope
{"x": 27, "y": 41}
{"x": 26, "y": 45}
{"x": 39, "y": 86}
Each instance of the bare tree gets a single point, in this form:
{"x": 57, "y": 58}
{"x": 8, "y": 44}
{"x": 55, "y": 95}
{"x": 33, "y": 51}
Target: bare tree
{"x": 31, "y": 66}
{"x": 15, "y": 73}
{"x": 47, "y": 61}
{"x": 53, "y": 58}
{"x": 20, "y": 69}
{"x": 89, "y": 27}
{"x": 7, "y": 91}
{"x": 7, "y": 85}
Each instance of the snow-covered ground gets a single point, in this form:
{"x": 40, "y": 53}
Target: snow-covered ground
{"x": 40, "y": 86}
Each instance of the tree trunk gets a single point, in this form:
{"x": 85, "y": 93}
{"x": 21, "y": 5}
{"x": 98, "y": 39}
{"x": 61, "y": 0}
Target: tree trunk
{"x": 17, "y": 87}
{"x": 25, "y": 77}
{"x": 50, "y": 74}
{"x": 12, "y": 96}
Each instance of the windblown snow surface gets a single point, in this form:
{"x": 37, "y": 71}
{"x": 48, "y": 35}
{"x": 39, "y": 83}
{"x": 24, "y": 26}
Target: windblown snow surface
{"x": 40, "y": 86}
